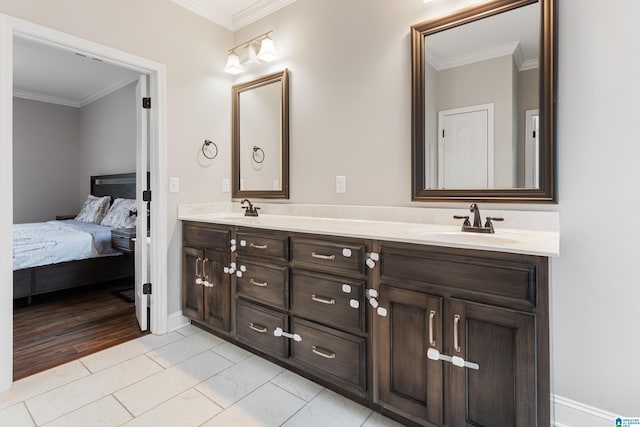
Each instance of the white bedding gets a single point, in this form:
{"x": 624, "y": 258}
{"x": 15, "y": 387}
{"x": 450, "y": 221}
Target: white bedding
{"x": 43, "y": 243}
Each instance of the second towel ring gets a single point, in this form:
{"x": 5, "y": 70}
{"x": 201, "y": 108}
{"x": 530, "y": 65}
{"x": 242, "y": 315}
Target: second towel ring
{"x": 258, "y": 154}
{"x": 206, "y": 144}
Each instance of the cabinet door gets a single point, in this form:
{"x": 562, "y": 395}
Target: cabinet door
{"x": 502, "y": 392}
{"x": 409, "y": 383}
{"x": 192, "y": 293}
{"x": 217, "y": 296}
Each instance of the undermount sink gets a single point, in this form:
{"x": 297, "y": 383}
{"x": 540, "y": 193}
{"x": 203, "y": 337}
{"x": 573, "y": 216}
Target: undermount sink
{"x": 470, "y": 238}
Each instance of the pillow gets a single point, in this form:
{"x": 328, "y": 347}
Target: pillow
{"x": 94, "y": 209}
{"x": 119, "y": 214}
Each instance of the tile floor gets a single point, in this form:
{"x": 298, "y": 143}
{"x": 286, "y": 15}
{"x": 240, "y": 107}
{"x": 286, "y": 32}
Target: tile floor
{"x": 184, "y": 378}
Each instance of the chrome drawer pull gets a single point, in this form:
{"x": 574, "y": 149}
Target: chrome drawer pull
{"x": 320, "y": 256}
{"x": 432, "y": 342}
{"x": 323, "y": 300}
{"x": 259, "y": 328}
{"x": 253, "y": 245}
{"x": 319, "y": 352}
{"x": 198, "y": 261}
{"x": 456, "y": 343}
{"x": 259, "y": 284}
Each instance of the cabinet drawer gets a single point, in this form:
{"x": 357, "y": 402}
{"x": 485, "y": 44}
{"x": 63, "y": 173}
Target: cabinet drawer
{"x": 505, "y": 281}
{"x": 205, "y": 236}
{"x": 255, "y": 326}
{"x": 268, "y": 284}
{"x": 263, "y": 244}
{"x": 335, "y": 255}
{"x": 121, "y": 242}
{"x": 328, "y": 300}
{"x": 329, "y": 352}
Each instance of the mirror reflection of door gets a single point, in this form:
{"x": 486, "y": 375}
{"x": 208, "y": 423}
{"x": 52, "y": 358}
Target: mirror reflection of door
{"x": 531, "y": 150}
{"x": 465, "y": 147}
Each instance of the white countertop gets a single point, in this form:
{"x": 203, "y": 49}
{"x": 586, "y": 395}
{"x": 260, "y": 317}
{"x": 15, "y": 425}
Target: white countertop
{"x": 520, "y": 241}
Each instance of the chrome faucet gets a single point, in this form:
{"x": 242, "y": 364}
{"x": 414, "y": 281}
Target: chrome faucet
{"x": 249, "y": 210}
{"x": 477, "y": 221}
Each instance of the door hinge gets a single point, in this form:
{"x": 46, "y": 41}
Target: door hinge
{"x": 146, "y": 289}
{"x": 443, "y": 133}
{"x": 146, "y": 103}
{"x": 146, "y": 196}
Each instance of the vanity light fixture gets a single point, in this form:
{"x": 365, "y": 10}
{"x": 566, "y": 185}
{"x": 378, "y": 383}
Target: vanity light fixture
{"x": 263, "y": 44}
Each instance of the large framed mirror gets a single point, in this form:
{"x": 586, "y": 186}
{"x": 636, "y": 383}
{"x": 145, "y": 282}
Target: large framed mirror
{"x": 260, "y": 137}
{"x": 483, "y": 103}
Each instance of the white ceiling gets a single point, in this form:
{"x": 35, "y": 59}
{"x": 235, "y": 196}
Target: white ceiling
{"x": 50, "y": 74}
{"x": 233, "y": 14}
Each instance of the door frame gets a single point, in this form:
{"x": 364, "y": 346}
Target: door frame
{"x": 489, "y": 108}
{"x": 10, "y": 26}
{"x": 531, "y": 150}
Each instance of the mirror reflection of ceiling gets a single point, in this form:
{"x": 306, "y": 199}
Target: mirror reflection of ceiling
{"x": 49, "y": 74}
{"x": 514, "y": 32}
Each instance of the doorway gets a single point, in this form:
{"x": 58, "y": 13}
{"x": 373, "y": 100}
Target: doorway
{"x": 465, "y": 147}
{"x": 10, "y": 27}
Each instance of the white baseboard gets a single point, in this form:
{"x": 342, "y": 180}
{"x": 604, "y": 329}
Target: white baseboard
{"x": 569, "y": 413}
{"x": 176, "y": 321}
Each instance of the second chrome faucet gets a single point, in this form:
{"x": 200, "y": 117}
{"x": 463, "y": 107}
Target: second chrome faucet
{"x": 477, "y": 226}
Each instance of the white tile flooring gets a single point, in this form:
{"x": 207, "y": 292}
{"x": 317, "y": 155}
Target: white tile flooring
{"x": 184, "y": 378}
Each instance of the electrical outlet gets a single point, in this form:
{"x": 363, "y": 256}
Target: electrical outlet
{"x": 174, "y": 184}
{"x": 341, "y": 184}
{"x": 226, "y": 185}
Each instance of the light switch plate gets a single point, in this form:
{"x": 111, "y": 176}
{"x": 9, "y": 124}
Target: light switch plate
{"x": 174, "y": 184}
{"x": 226, "y": 185}
{"x": 341, "y": 184}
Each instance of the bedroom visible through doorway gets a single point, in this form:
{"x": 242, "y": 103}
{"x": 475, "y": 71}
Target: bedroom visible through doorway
{"x": 11, "y": 27}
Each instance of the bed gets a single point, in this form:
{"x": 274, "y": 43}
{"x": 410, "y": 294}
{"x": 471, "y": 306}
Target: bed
{"x": 100, "y": 262}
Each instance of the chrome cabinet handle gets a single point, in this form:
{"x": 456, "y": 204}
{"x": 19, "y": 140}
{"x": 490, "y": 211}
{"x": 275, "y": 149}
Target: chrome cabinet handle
{"x": 259, "y": 284}
{"x": 204, "y": 273}
{"x": 432, "y": 342}
{"x": 456, "y": 343}
{"x": 323, "y": 300}
{"x": 255, "y": 246}
{"x": 199, "y": 280}
{"x": 320, "y": 256}
{"x": 321, "y": 353}
{"x": 258, "y": 328}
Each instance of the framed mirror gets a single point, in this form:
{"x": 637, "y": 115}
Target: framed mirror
{"x": 483, "y": 103}
{"x": 260, "y": 138}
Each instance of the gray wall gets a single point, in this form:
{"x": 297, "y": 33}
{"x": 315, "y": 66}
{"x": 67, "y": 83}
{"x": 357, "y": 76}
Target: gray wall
{"x": 45, "y": 160}
{"x": 58, "y": 148}
{"x": 107, "y": 135}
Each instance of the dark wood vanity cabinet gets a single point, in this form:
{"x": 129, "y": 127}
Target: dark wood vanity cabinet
{"x": 206, "y": 288}
{"x": 302, "y": 299}
{"x": 485, "y": 308}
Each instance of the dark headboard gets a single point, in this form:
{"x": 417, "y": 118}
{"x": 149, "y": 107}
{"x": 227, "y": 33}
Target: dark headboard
{"x": 121, "y": 185}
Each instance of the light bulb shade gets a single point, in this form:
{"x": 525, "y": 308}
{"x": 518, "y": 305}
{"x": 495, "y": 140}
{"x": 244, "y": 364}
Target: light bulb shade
{"x": 233, "y": 64}
{"x": 267, "y": 51}
{"x": 251, "y": 55}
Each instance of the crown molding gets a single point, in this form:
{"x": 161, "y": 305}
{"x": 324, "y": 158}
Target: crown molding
{"x": 257, "y": 11}
{"x": 34, "y": 96}
{"x": 512, "y": 49}
{"x": 118, "y": 84}
{"x": 201, "y": 8}
{"x": 234, "y": 22}
{"x": 68, "y": 102}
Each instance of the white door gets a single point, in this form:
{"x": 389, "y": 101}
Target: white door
{"x": 531, "y": 150}
{"x": 142, "y": 158}
{"x": 465, "y": 147}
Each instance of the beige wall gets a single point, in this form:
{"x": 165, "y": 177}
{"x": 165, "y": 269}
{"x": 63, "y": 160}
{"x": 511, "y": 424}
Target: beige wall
{"x": 484, "y": 82}
{"x": 45, "y": 160}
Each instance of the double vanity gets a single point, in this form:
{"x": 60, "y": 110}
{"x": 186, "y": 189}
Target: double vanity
{"x": 429, "y": 324}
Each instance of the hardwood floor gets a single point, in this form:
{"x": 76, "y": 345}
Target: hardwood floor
{"x": 64, "y": 326}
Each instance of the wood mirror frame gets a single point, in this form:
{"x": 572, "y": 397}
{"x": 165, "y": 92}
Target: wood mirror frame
{"x": 283, "y": 192}
{"x": 546, "y": 193}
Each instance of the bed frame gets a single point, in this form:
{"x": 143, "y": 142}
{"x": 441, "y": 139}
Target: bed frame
{"x": 48, "y": 278}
